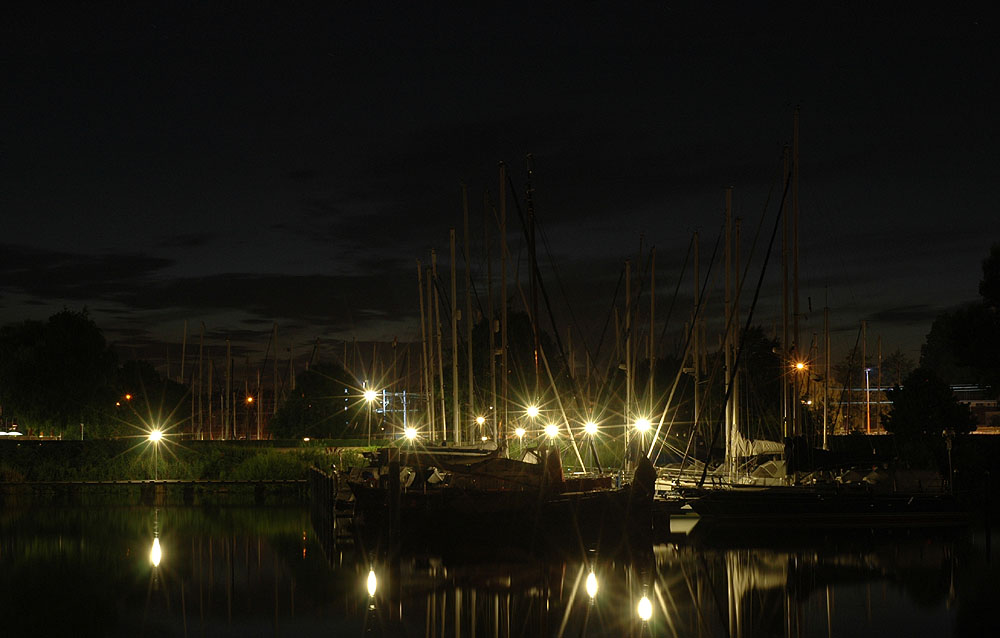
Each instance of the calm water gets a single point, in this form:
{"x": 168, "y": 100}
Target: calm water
{"x": 240, "y": 571}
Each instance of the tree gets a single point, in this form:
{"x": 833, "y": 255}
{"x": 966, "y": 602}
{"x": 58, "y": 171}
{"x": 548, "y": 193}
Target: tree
{"x": 325, "y": 404}
{"x": 58, "y": 373}
{"x": 925, "y": 404}
{"x": 989, "y": 286}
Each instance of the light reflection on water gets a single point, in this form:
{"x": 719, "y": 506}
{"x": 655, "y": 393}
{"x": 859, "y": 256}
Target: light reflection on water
{"x": 264, "y": 572}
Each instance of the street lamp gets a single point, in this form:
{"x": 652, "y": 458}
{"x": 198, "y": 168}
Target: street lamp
{"x": 154, "y": 437}
{"x": 645, "y": 608}
{"x": 552, "y": 430}
{"x": 410, "y": 432}
{"x": 369, "y": 397}
{"x": 592, "y": 585}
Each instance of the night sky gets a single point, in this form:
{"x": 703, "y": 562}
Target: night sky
{"x": 240, "y": 164}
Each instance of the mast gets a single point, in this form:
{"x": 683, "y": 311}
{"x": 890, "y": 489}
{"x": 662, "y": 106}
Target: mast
{"x": 490, "y": 322}
{"x": 652, "y": 326}
{"x": 787, "y": 426}
{"x": 425, "y": 373}
{"x": 468, "y": 309}
{"x": 797, "y": 405}
{"x": 503, "y": 297}
{"x": 431, "y": 332}
{"x": 274, "y": 342}
{"x": 728, "y": 342}
{"x": 736, "y": 325}
{"x": 826, "y": 369}
{"x": 533, "y": 278}
{"x": 440, "y": 356}
{"x": 229, "y": 386}
{"x": 201, "y": 372}
{"x": 184, "y": 343}
{"x": 628, "y": 360}
{"x": 456, "y": 417}
{"x": 695, "y": 341}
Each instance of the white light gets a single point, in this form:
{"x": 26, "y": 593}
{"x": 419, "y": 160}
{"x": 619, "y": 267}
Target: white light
{"x": 590, "y": 428}
{"x": 591, "y": 585}
{"x": 156, "y": 553}
{"x": 642, "y": 425}
{"x": 372, "y": 583}
{"x": 155, "y": 436}
{"x": 370, "y": 395}
{"x": 480, "y": 420}
{"x": 532, "y": 411}
{"x": 520, "y": 432}
{"x": 645, "y": 609}
{"x": 552, "y": 430}
{"x": 410, "y": 432}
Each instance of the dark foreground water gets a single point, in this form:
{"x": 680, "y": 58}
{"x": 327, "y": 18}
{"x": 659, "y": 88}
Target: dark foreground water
{"x": 242, "y": 571}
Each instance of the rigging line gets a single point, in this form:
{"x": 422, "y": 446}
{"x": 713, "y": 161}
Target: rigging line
{"x": 578, "y": 396}
{"x": 702, "y": 302}
{"x": 562, "y": 289}
{"x": 555, "y": 390}
{"x": 673, "y": 301}
{"x": 749, "y": 321}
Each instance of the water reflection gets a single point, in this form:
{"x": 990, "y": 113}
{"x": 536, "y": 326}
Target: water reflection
{"x": 262, "y": 572}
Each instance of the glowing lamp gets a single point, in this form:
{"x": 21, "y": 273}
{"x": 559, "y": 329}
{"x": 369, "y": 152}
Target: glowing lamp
{"x": 156, "y": 553}
{"x": 552, "y": 430}
{"x": 532, "y": 411}
{"x": 370, "y": 395}
{"x": 591, "y": 585}
{"x": 372, "y": 582}
{"x": 642, "y": 425}
{"x": 590, "y": 428}
{"x": 410, "y": 432}
{"x": 645, "y": 609}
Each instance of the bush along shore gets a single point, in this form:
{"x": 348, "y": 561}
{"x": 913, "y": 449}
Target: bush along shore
{"x": 65, "y": 470}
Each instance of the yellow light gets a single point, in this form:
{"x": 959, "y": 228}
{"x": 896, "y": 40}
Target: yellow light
{"x": 156, "y": 553}
{"x": 480, "y": 420}
{"x": 155, "y": 436}
{"x": 486, "y": 438}
{"x": 590, "y": 428}
{"x": 520, "y": 432}
{"x": 645, "y": 609}
{"x": 591, "y": 585}
{"x": 642, "y": 425}
{"x": 249, "y": 399}
{"x": 800, "y": 366}
{"x": 410, "y": 432}
{"x": 532, "y": 411}
{"x": 128, "y": 397}
{"x": 306, "y": 439}
{"x": 370, "y": 395}
{"x": 372, "y": 582}
{"x": 552, "y": 430}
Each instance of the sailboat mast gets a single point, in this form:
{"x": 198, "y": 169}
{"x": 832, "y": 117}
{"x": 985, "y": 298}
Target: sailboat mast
{"x": 425, "y": 375}
{"x": 468, "y": 309}
{"x": 503, "y": 299}
{"x": 490, "y": 322}
{"x": 652, "y": 324}
{"x": 628, "y": 360}
{"x": 440, "y": 355}
{"x": 456, "y": 417}
{"x": 826, "y": 371}
{"x": 728, "y": 342}
{"x": 797, "y": 406}
{"x": 695, "y": 341}
{"x": 787, "y": 429}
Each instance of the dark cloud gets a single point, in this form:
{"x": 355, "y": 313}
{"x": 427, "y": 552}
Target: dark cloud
{"x": 188, "y": 240}
{"x": 65, "y": 275}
